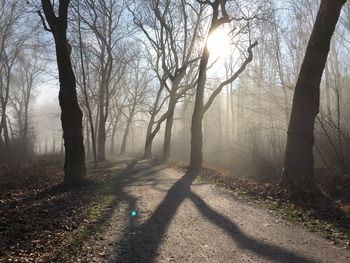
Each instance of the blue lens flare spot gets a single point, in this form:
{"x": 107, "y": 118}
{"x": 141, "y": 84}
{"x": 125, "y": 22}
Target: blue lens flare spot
{"x": 133, "y": 213}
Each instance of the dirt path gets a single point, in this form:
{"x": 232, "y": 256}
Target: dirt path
{"x": 182, "y": 220}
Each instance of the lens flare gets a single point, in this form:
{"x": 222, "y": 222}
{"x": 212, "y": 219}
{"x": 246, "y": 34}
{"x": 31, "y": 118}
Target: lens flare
{"x": 133, "y": 213}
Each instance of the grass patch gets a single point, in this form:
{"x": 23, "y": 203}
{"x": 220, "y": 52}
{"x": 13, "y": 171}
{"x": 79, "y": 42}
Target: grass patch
{"x": 96, "y": 216}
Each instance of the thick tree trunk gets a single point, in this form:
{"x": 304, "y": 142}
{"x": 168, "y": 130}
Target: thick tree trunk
{"x": 149, "y": 138}
{"x": 148, "y": 147}
{"x": 298, "y": 177}
{"x": 196, "y": 157}
{"x": 196, "y": 161}
{"x": 71, "y": 115}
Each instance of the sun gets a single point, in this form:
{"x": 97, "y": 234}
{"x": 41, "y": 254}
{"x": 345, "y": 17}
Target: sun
{"x": 219, "y": 43}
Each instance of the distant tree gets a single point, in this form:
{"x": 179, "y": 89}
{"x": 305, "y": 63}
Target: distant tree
{"x": 71, "y": 115}
{"x": 298, "y": 176}
{"x": 87, "y": 102}
{"x": 28, "y": 72}
{"x": 10, "y": 49}
{"x": 135, "y": 93}
{"x": 105, "y": 19}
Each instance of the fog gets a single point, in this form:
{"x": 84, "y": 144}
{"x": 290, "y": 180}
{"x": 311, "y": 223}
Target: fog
{"x": 174, "y": 130}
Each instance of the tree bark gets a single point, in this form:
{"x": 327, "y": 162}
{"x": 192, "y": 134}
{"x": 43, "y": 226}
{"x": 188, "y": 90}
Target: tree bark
{"x": 71, "y": 115}
{"x": 298, "y": 176}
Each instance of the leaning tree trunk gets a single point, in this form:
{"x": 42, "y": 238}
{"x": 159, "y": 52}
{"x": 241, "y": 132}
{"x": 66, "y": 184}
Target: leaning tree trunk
{"x": 149, "y": 138}
{"x": 71, "y": 115}
{"x": 149, "y": 134}
{"x": 298, "y": 177}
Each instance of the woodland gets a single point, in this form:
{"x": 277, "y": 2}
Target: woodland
{"x": 116, "y": 115}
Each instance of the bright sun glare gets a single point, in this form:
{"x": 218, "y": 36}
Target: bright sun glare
{"x": 219, "y": 43}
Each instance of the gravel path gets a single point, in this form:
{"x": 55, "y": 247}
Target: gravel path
{"x": 182, "y": 220}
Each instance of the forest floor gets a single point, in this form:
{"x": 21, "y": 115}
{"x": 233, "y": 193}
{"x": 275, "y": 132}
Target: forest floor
{"x": 180, "y": 218}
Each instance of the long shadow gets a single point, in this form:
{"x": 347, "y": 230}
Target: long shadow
{"x": 140, "y": 243}
{"x": 258, "y": 247}
{"x": 125, "y": 177}
{"x": 47, "y": 211}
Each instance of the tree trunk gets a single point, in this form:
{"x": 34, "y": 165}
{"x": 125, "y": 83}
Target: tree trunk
{"x": 125, "y": 136}
{"x": 8, "y": 149}
{"x": 196, "y": 157}
{"x": 168, "y": 129}
{"x": 26, "y": 128}
{"x": 87, "y": 137}
{"x": 71, "y": 115}
{"x": 3, "y": 124}
{"x": 101, "y": 137}
{"x": 113, "y": 139}
{"x": 298, "y": 177}
{"x": 149, "y": 134}
{"x": 149, "y": 138}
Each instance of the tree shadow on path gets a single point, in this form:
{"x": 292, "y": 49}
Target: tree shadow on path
{"x": 141, "y": 242}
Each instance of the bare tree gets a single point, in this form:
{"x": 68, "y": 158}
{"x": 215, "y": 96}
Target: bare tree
{"x": 11, "y": 44}
{"x": 21, "y": 97}
{"x": 71, "y": 115}
{"x": 171, "y": 30}
{"x": 105, "y": 20}
{"x": 298, "y": 176}
{"x": 84, "y": 86}
{"x": 219, "y": 17}
{"x": 135, "y": 93}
